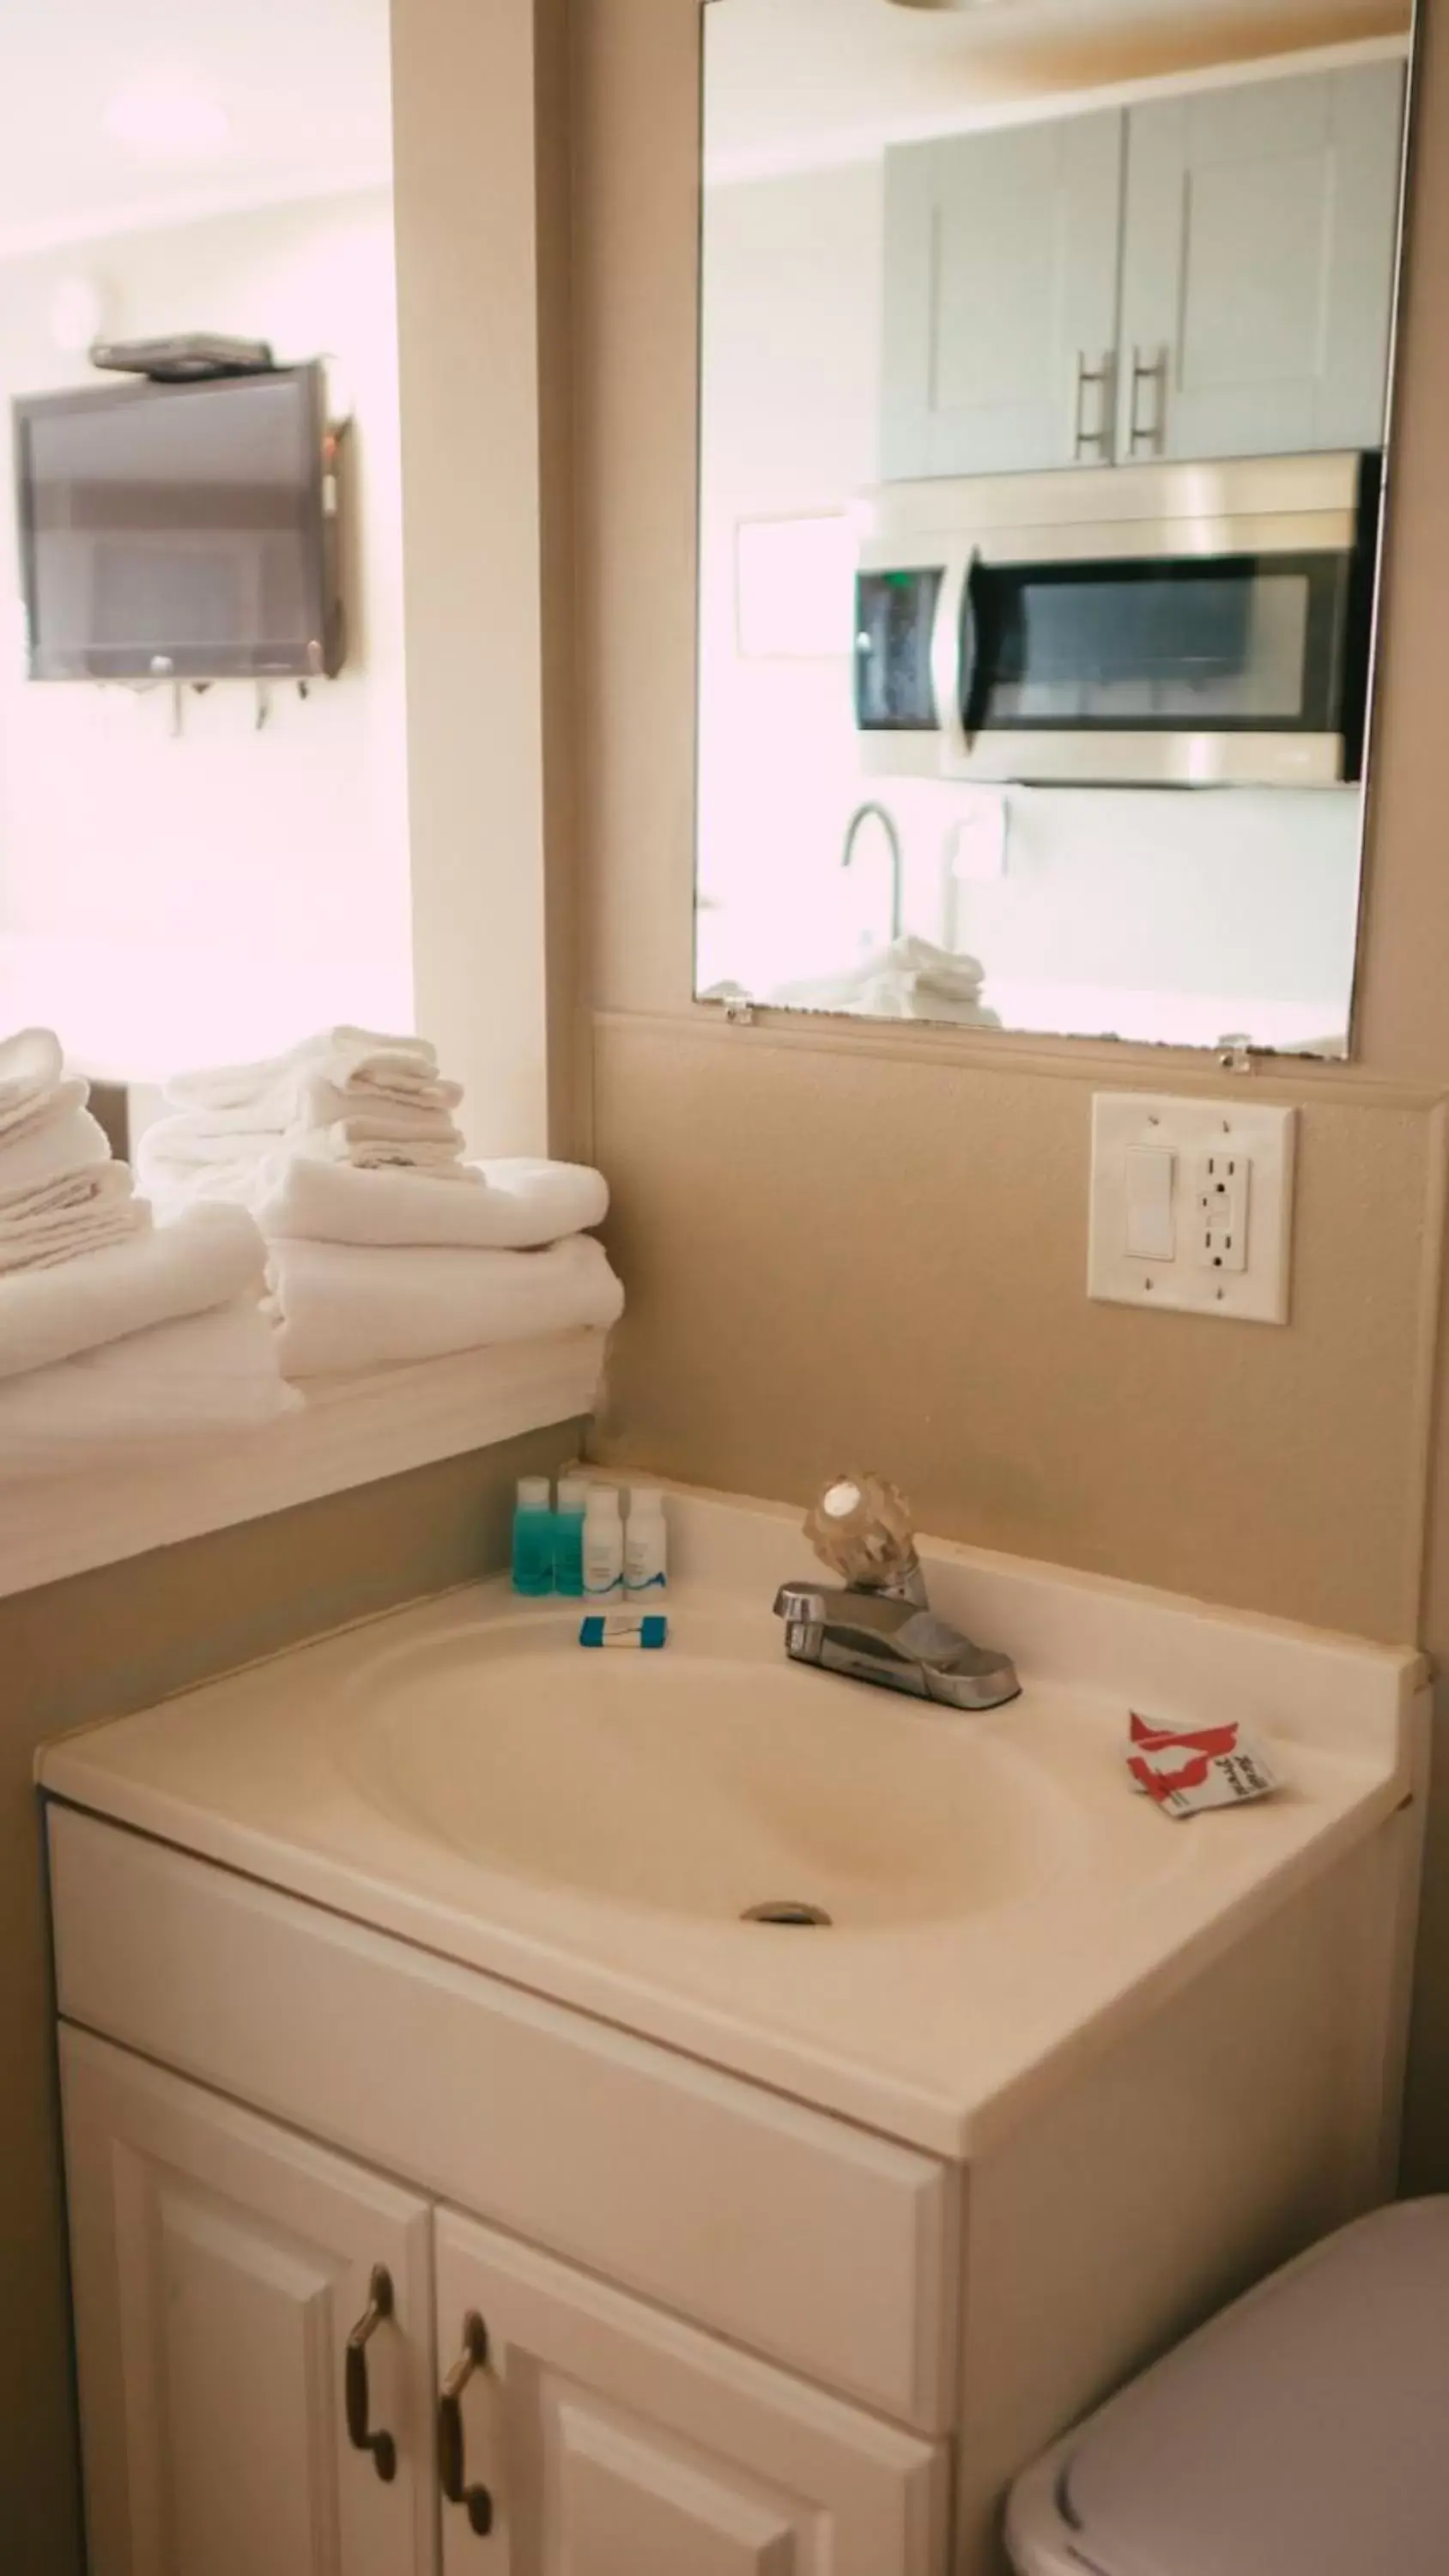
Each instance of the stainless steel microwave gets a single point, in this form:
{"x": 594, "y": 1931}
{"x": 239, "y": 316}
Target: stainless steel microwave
{"x": 1154, "y": 625}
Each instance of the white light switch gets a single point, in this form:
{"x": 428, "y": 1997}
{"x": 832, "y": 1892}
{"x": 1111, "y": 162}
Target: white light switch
{"x": 1151, "y": 1230}
{"x": 1192, "y": 1205}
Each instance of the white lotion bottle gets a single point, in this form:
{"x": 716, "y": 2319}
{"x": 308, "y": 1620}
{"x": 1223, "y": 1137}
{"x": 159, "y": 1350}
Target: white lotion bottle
{"x": 603, "y": 1543}
{"x": 646, "y": 1542}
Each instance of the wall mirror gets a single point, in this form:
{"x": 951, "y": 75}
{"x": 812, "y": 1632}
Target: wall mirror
{"x": 1044, "y": 390}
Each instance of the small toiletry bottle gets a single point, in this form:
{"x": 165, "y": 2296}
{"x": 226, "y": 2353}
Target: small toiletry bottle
{"x": 603, "y": 1542}
{"x": 568, "y": 1545}
{"x": 646, "y": 1542}
{"x": 533, "y": 1538}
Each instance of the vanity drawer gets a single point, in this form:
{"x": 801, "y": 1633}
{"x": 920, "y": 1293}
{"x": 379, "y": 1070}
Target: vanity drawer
{"x": 818, "y": 2243}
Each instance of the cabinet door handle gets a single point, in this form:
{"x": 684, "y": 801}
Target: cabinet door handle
{"x": 355, "y": 2390}
{"x": 1101, "y": 377}
{"x": 452, "y": 2469}
{"x": 1148, "y": 433}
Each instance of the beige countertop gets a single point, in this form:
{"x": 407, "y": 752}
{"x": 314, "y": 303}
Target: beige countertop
{"x": 589, "y": 1827}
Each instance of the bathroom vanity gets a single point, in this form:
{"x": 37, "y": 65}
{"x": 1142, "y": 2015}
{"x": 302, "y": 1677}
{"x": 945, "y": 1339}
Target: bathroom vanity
{"x": 457, "y": 2180}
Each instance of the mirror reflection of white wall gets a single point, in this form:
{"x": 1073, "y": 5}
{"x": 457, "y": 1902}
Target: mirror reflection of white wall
{"x": 170, "y": 899}
{"x": 1136, "y": 911}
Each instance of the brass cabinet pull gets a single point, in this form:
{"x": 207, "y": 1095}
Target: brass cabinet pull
{"x": 1148, "y": 433}
{"x": 452, "y": 2469}
{"x": 381, "y": 2445}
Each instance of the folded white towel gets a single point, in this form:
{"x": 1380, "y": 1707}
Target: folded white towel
{"x": 82, "y": 1212}
{"x": 345, "y": 1073}
{"x": 909, "y": 980}
{"x": 175, "y": 1187}
{"x": 128, "y": 1401}
{"x": 221, "y": 1135}
{"x": 337, "y": 1088}
{"x": 342, "y": 1306}
{"x": 511, "y": 1206}
{"x": 181, "y": 1166}
{"x": 274, "y": 1080}
{"x": 174, "y": 1147}
{"x": 209, "y": 1257}
{"x": 358, "y": 1141}
{"x": 31, "y": 1072}
{"x": 57, "y": 1142}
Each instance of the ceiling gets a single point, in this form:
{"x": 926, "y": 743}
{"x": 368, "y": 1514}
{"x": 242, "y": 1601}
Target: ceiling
{"x": 219, "y": 106}
{"x": 301, "y": 87}
{"x": 796, "y": 81}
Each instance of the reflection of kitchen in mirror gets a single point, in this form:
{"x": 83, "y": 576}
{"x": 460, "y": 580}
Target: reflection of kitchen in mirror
{"x": 1045, "y": 375}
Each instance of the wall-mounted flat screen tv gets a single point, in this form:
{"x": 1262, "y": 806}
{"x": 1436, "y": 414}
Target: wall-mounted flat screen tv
{"x": 180, "y": 531}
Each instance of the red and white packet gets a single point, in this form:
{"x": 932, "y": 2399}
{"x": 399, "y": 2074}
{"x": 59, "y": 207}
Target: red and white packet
{"x": 1184, "y": 1772}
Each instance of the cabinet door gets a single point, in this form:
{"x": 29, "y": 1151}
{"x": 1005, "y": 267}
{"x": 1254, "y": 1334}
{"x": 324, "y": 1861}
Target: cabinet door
{"x": 1258, "y": 266}
{"x": 219, "y": 2265}
{"x": 613, "y": 2441}
{"x": 1001, "y": 261}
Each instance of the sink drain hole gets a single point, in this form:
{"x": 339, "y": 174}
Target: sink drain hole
{"x": 786, "y": 1911}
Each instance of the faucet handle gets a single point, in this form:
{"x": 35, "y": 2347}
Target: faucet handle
{"x": 860, "y": 1526}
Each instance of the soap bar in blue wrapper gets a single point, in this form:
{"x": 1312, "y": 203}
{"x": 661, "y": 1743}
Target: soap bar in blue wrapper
{"x": 625, "y": 1628}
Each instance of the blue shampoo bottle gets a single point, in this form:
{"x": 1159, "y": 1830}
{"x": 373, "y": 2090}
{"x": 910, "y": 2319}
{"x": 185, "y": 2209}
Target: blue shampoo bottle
{"x": 533, "y": 1538}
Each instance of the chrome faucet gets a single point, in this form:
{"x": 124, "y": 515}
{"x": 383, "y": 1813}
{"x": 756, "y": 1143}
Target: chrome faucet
{"x": 874, "y": 813}
{"x": 892, "y": 1637}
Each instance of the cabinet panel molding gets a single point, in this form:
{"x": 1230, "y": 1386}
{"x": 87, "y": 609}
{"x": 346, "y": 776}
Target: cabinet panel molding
{"x": 219, "y": 2264}
{"x": 618, "y": 2438}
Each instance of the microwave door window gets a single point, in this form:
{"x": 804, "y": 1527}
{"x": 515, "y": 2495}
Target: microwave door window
{"x": 895, "y": 623}
{"x": 1240, "y": 644}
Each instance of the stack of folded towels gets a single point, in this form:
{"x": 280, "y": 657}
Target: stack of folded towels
{"x": 384, "y": 1245}
{"x": 113, "y": 1333}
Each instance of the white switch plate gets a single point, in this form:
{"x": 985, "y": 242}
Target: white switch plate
{"x": 1258, "y": 1142}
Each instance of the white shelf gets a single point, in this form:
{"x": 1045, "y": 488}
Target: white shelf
{"x": 352, "y": 1431}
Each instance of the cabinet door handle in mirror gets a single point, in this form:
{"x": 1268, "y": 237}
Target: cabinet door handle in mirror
{"x": 452, "y": 2469}
{"x": 381, "y": 2445}
{"x": 1148, "y": 434}
{"x": 1097, "y": 440}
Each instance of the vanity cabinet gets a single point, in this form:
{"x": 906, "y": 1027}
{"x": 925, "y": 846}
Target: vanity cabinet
{"x": 223, "y": 2257}
{"x": 623, "y": 2443}
{"x": 1199, "y": 276}
{"x": 787, "y": 2275}
{"x": 222, "y": 2266}
{"x": 219, "y": 2264}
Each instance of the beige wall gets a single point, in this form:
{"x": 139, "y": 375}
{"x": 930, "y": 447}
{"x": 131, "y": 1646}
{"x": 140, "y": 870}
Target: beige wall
{"x": 856, "y": 1245}
{"x": 120, "y": 1639}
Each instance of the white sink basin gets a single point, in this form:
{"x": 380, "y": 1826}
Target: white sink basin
{"x": 594, "y": 1826}
{"x": 703, "y": 1780}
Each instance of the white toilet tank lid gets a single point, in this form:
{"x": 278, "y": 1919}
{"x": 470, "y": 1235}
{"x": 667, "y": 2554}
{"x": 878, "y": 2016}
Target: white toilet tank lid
{"x": 1304, "y": 2432}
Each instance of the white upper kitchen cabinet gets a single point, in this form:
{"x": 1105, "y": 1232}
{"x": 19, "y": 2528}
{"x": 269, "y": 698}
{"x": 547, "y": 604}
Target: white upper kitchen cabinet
{"x": 1001, "y": 273}
{"x": 1258, "y": 266}
{"x": 220, "y": 2267}
{"x": 1200, "y": 276}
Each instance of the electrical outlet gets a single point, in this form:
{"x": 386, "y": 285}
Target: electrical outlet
{"x": 1192, "y": 1205}
{"x": 1224, "y": 1194}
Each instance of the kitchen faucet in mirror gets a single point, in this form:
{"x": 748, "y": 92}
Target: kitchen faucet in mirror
{"x": 1045, "y": 386}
